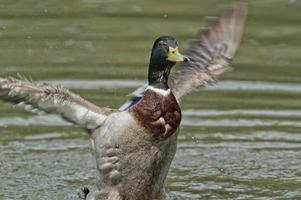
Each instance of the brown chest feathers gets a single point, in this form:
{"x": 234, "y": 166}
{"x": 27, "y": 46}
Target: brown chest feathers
{"x": 159, "y": 113}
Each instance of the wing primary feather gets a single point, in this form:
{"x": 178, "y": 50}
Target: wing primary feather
{"x": 37, "y": 97}
{"x": 211, "y": 52}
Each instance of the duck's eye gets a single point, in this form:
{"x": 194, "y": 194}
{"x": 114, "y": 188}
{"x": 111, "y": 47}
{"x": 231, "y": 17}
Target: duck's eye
{"x": 173, "y": 52}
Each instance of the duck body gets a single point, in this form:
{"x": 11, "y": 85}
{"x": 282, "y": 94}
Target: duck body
{"x": 134, "y": 148}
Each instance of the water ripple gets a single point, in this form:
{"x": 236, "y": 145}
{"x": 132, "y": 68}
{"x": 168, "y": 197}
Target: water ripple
{"x": 47, "y": 120}
{"x": 279, "y": 113}
{"x": 238, "y": 122}
{"x": 221, "y": 85}
{"x": 54, "y": 120}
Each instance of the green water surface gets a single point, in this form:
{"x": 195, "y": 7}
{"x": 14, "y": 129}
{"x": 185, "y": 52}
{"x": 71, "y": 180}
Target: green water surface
{"x": 220, "y": 156}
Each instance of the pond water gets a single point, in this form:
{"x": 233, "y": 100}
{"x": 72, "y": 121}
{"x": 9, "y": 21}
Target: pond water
{"x": 240, "y": 138}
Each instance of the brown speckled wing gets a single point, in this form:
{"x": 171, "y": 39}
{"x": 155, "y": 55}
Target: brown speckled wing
{"x": 211, "y": 52}
{"x": 52, "y": 99}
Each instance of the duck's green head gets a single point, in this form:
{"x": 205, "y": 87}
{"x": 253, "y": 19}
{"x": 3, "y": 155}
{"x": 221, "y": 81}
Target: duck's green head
{"x": 165, "y": 54}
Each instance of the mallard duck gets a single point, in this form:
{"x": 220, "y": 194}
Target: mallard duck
{"x": 135, "y": 146}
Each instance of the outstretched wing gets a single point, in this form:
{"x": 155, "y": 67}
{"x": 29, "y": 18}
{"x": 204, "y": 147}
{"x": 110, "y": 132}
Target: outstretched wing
{"x": 53, "y": 99}
{"x": 211, "y": 52}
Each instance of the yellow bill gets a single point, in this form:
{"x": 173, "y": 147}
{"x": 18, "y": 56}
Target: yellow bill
{"x": 175, "y": 56}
